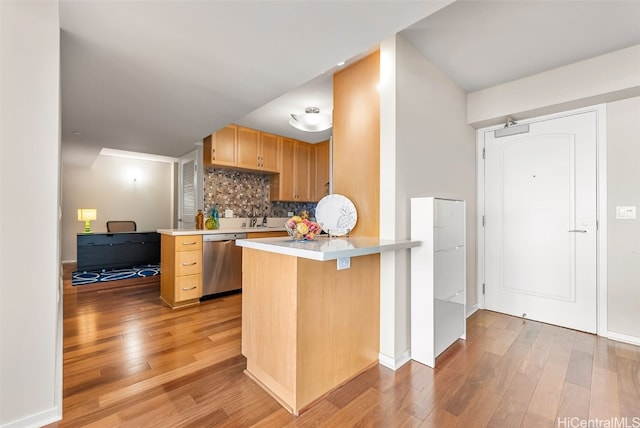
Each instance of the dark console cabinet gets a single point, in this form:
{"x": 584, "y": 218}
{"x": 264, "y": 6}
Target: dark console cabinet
{"x": 98, "y": 251}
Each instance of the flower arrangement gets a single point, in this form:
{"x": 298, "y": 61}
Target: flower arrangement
{"x": 302, "y": 229}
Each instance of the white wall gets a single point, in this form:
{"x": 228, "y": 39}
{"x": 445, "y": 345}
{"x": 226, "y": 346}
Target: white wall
{"x": 623, "y": 250}
{"x": 31, "y": 311}
{"x": 434, "y": 156}
{"x": 606, "y": 78}
{"x": 108, "y": 185}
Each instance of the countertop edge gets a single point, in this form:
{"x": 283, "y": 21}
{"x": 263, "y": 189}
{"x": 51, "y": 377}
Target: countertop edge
{"x": 182, "y": 232}
{"x": 364, "y": 246}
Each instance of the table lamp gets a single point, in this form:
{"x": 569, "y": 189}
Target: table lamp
{"x": 86, "y": 215}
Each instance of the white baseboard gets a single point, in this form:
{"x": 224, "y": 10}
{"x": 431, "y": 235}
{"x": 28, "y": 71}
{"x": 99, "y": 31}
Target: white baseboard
{"x": 394, "y": 363}
{"x": 634, "y": 340}
{"x": 38, "y": 420}
{"x": 472, "y": 310}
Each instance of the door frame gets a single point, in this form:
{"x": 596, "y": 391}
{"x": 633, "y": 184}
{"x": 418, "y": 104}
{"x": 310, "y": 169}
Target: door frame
{"x": 601, "y": 209}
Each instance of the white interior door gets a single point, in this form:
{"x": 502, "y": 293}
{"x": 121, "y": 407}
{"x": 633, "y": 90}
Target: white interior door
{"x": 540, "y": 222}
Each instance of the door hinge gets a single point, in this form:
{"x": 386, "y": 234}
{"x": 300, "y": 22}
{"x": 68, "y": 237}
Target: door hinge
{"x": 597, "y": 225}
{"x": 483, "y": 288}
{"x": 483, "y": 153}
{"x": 483, "y": 221}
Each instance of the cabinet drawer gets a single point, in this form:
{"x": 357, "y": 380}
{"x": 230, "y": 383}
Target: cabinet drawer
{"x": 188, "y": 263}
{"x": 188, "y": 243}
{"x": 188, "y": 287}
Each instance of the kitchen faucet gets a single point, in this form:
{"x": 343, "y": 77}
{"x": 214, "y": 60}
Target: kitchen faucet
{"x": 253, "y": 219}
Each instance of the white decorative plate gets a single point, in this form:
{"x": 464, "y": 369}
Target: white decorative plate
{"x": 336, "y": 214}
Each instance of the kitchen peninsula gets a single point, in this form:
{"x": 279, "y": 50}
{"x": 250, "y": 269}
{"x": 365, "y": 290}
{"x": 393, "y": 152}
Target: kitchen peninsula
{"x": 311, "y": 313}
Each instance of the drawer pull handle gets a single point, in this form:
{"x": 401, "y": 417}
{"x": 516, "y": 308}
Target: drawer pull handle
{"x": 189, "y": 264}
{"x": 187, "y": 289}
{"x": 189, "y": 243}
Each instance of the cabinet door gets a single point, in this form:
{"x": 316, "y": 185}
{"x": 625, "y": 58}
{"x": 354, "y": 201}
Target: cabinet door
{"x": 301, "y": 170}
{"x": 449, "y": 224}
{"x": 223, "y": 146}
{"x": 320, "y": 171}
{"x": 286, "y": 170}
{"x": 248, "y": 148}
{"x": 268, "y": 157}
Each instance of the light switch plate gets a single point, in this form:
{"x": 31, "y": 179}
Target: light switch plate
{"x": 625, "y": 213}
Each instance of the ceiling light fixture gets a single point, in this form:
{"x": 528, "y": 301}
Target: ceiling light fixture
{"x": 311, "y": 121}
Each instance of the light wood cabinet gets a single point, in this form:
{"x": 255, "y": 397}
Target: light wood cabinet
{"x": 181, "y": 264}
{"x": 270, "y": 234}
{"x": 293, "y": 183}
{"x": 269, "y": 145}
{"x": 243, "y": 148}
{"x": 248, "y": 148}
{"x": 219, "y": 148}
{"x": 301, "y": 170}
{"x": 320, "y": 173}
{"x": 301, "y": 165}
{"x": 308, "y": 328}
{"x": 281, "y": 185}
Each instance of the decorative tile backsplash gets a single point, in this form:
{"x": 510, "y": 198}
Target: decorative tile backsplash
{"x": 246, "y": 193}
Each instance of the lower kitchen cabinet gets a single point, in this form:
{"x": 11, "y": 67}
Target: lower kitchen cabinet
{"x": 181, "y": 266}
{"x": 269, "y": 234}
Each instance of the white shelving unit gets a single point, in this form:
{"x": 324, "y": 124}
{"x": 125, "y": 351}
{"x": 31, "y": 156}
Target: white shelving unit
{"x": 438, "y": 291}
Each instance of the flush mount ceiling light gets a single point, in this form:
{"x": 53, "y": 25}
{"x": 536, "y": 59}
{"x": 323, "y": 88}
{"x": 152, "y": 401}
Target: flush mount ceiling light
{"x": 311, "y": 121}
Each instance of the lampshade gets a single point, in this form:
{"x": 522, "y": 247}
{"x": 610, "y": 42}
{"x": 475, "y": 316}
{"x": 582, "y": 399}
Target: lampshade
{"x": 311, "y": 121}
{"x": 86, "y": 214}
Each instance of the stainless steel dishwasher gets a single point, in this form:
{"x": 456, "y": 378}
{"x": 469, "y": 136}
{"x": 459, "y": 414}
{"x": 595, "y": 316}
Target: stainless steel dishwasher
{"x": 221, "y": 263}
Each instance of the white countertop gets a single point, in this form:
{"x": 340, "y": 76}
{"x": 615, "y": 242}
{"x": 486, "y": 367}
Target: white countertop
{"x": 324, "y": 248}
{"x": 180, "y": 232}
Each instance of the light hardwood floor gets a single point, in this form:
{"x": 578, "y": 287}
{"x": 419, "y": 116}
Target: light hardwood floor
{"x": 129, "y": 361}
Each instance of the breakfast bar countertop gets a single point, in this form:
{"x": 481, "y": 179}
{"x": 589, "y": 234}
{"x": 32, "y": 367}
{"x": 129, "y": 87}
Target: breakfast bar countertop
{"x": 325, "y": 248}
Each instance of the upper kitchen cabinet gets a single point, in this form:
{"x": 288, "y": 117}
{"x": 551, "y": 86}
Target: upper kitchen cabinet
{"x": 257, "y": 150}
{"x": 281, "y": 185}
{"x": 293, "y": 182}
{"x": 269, "y": 152}
{"x": 248, "y": 148}
{"x": 320, "y": 174}
{"x": 243, "y": 148}
{"x": 304, "y": 172}
{"x": 301, "y": 168}
{"x": 220, "y": 147}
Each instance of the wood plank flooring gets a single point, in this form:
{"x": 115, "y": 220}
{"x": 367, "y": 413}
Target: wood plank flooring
{"x": 129, "y": 361}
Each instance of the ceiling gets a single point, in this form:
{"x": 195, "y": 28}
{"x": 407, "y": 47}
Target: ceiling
{"x": 157, "y": 76}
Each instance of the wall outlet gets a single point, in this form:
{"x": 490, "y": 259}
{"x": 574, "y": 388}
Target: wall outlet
{"x": 228, "y": 213}
{"x": 344, "y": 263}
{"x": 290, "y": 214}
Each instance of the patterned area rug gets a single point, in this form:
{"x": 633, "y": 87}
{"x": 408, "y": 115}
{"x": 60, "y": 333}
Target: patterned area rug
{"x": 92, "y": 277}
